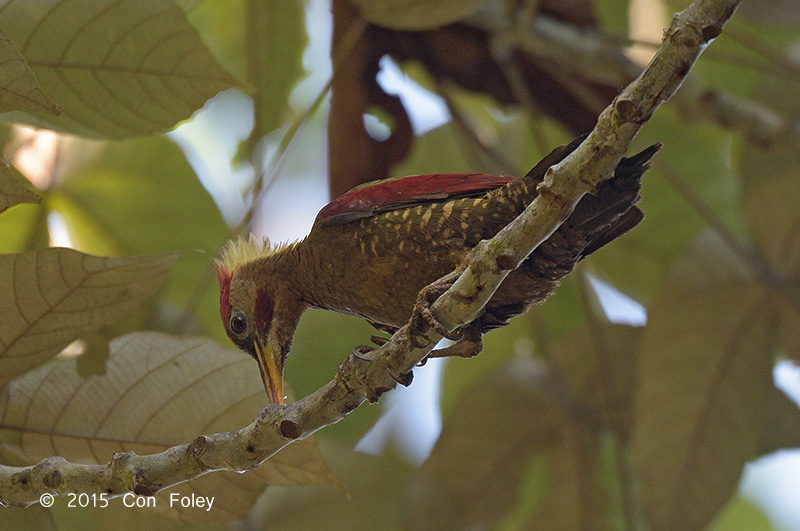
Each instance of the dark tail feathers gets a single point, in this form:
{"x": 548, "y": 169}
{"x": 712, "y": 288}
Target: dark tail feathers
{"x": 601, "y": 217}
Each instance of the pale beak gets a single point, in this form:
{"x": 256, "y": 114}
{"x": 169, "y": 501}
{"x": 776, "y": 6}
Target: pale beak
{"x": 270, "y": 374}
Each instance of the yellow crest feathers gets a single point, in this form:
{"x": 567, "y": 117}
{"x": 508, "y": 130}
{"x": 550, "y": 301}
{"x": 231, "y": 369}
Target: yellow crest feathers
{"x": 243, "y": 250}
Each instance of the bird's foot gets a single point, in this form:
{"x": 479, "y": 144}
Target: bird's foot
{"x": 360, "y": 351}
{"x": 423, "y": 317}
{"x": 469, "y": 346}
{"x": 403, "y": 379}
{"x": 386, "y": 329}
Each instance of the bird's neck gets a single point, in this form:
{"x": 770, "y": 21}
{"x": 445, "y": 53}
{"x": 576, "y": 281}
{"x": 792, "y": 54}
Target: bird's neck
{"x": 297, "y": 269}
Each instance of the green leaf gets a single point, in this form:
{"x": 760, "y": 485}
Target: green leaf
{"x": 462, "y": 376}
{"x": 158, "y": 391}
{"x": 24, "y": 228}
{"x": 53, "y": 296}
{"x": 438, "y": 150}
{"x": 276, "y": 38}
{"x": 760, "y": 163}
{"x": 222, "y": 26}
{"x": 740, "y": 514}
{"x": 695, "y": 158}
{"x": 139, "y": 197}
{"x": 705, "y": 378}
{"x": 415, "y": 15}
{"x": 323, "y": 339}
{"x": 19, "y": 89}
{"x": 771, "y": 210}
{"x": 612, "y": 16}
{"x": 13, "y": 191}
{"x": 133, "y": 191}
{"x": 118, "y": 68}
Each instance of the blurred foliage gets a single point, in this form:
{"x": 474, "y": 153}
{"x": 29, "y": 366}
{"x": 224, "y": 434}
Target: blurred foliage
{"x": 566, "y": 421}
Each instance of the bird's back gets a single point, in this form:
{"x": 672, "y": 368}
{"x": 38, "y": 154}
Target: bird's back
{"x": 377, "y": 262}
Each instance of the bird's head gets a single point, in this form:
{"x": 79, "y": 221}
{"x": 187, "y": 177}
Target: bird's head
{"x": 250, "y": 307}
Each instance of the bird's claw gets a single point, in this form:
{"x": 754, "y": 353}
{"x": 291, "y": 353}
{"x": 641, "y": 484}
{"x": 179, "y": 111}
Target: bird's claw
{"x": 470, "y": 345}
{"x": 403, "y": 379}
{"x": 379, "y": 340}
{"x": 359, "y": 350}
{"x": 423, "y": 317}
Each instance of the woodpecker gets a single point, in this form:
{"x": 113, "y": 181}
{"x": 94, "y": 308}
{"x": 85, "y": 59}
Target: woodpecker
{"x": 371, "y": 251}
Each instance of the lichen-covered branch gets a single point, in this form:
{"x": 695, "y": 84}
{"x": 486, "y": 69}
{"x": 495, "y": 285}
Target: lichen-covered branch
{"x": 357, "y": 380}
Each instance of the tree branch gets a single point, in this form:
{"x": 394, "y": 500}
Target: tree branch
{"x": 276, "y": 426}
{"x": 593, "y": 56}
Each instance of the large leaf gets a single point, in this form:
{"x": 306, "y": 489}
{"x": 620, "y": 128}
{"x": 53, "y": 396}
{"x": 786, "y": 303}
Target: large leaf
{"x": 573, "y": 498}
{"x": 131, "y": 192}
{"x": 473, "y": 475}
{"x": 742, "y": 513}
{"x": 36, "y": 517}
{"x": 771, "y": 189}
{"x": 118, "y": 68}
{"x": 221, "y": 24}
{"x": 377, "y": 485}
{"x": 597, "y": 366}
{"x": 705, "y": 382}
{"x": 771, "y": 210}
{"x": 276, "y": 37}
{"x": 54, "y": 296}
{"x": 158, "y": 391}
{"x": 18, "y": 87}
{"x": 12, "y": 191}
{"x": 139, "y": 197}
{"x": 24, "y": 228}
{"x": 320, "y": 343}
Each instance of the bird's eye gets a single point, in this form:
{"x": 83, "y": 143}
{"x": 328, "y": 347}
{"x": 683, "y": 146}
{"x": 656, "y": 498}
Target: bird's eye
{"x": 239, "y": 324}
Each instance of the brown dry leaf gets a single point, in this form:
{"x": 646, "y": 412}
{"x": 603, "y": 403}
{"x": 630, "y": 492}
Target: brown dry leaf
{"x": 19, "y": 89}
{"x": 783, "y": 419}
{"x": 53, "y": 296}
{"x": 157, "y": 392}
{"x": 34, "y": 517}
{"x": 13, "y": 192}
{"x": 413, "y": 14}
{"x": 597, "y": 367}
{"x": 573, "y": 498}
{"x": 704, "y": 385}
{"x": 771, "y": 208}
{"x": 472, "y": 477}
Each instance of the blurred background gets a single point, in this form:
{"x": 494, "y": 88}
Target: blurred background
{"x": 656, "y": 389}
